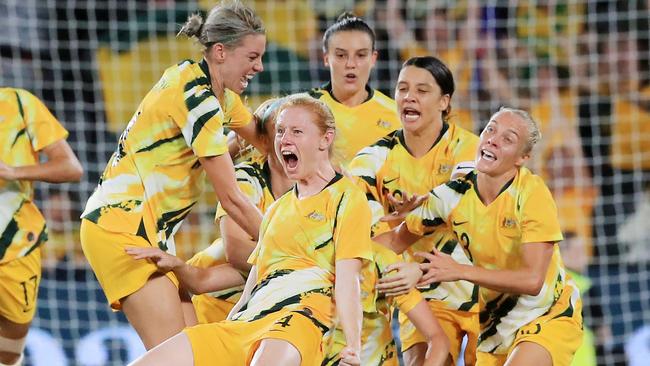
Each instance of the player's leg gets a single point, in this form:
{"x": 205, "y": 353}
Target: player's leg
{"x": 414, "y": 356}
{"x": 176, "y": 351}
{"x": 276, "y": 352}
{"x": 19, "y": 281}
{"x": 189, "y": 313}
{"x": 529, "y": 354}
{"x": 155, "y": 311}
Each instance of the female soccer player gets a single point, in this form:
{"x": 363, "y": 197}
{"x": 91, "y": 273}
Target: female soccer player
{"x": 217, "y": 274}
{"x": 154, "y": 177}
{"x": 28, "y": 129}
{"x": 363, "y": 115}
{"x": 506, "y": 220}
{"x": 312, "y": 243}
{"x": 415, "y": 159}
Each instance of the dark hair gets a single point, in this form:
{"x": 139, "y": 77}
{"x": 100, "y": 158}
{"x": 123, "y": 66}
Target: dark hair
{"x": 440, "y": 72}
{"x": 348, "y": 22}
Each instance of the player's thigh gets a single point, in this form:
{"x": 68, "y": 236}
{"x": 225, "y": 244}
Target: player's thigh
{"x": 529, "y": 354}
{"x": 276, "y": 352}
{"x": 155, "y": 310}
{"x": 19, "y": 282}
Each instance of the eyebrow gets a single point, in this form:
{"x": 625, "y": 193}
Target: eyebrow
{"x": 344, "y": 50}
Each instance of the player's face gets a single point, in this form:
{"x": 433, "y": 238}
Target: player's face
{"x": 241, "y": 63}
{"x": 502, "y": 144}
{"x": 419, "y": 99}
{"x": 299, "y": 144}
{"x": 350, "y": 58}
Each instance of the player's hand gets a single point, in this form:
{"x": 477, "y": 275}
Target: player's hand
{"x": 440, "y": 267}
{"x": 349, "y": 357}
{"x": 163, "y": 260}
{"x": 407, "y": 276}
{"x": 401, "y": 208}
{"x": 7, "y": 172}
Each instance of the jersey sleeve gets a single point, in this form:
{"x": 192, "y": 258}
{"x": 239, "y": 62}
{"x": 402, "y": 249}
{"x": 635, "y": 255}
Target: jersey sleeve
{"x": 364, "y": 169}
{"x": 539, "y": 218}
{"x": 238, "y": 115}
{"x": 435, "y": 211}
{"x": 248, "y": 184}
{"x": 42, "y": 127}
{"x": 201, "y": 120}
{"x": 352, "y": 227}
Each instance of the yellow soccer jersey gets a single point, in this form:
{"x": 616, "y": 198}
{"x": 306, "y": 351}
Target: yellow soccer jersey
{"x": 360, "y": 126}
{"x": 524, "y": 212}
{"x": 387, "y": 167}
{"x": 154, "y": 178}
{"x": 378, "y": 347}
{"x": 254, "y": 180}
{"x": 26, "y": 127}
{"x": 300, "y": 242}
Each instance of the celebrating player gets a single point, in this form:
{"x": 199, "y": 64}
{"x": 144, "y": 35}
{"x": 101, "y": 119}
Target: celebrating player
{"x": 363, "y": 114}
{"x": 154, "y": 178}
{"x": 27, "y": 129}
{"x": 312, "y": 243}
{"x": 415, "y": 159}
{"x": 506, "y": 219}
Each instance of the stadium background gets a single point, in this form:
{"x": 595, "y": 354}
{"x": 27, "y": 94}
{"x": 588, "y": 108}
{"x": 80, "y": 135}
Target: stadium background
{"x": 581, "y": 67}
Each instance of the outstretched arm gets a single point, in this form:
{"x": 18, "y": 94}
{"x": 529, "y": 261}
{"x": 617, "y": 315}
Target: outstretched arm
{"x": 194, "y": 279}
{"x": 529, "y": 276}
{"x": 61, "y": 166}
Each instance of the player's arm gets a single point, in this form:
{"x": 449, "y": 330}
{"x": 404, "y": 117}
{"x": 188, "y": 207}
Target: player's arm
{"x": 237, "y": 243}
{"x": 437, "y": 342}
{"x": 61, "y": 166}
{"x": 249, "y": 133}
{"x": 221, "y": 173}
{"x": 195, "y": 279}
{"x": 528, "y": 279}
{"x": 347, "y": 290}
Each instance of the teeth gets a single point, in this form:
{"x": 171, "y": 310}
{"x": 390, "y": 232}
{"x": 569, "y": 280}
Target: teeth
{"x": 488, "y": 155}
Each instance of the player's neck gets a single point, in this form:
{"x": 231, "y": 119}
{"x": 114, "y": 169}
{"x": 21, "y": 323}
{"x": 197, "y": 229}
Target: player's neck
{"x": 490, "y": 186}
{"x": 419, "y": 142}
{"x": 350, "y": 99}
{"x": 315, "y": 182}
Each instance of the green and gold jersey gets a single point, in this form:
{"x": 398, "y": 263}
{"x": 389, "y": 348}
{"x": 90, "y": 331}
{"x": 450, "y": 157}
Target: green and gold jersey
{"x": 492, "y": 235}
{"x": 27, "y": 127}
{"x": 387, "y": 167}
{"x": 254, "y": 180}
{"x": 300, "y": 242}
{"x": 360, "y": 126}
{"x": 154, "y": 178}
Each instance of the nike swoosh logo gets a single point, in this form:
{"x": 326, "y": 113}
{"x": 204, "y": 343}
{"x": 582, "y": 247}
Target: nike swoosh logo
{"x": 458, "y": 223}
{"x": 389, "y": 181}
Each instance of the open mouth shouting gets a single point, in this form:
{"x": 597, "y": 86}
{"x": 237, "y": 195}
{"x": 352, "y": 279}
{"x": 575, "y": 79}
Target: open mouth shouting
{"x": 410, "y": 114}
{"x": 244, "y": 80}
{"x": 290, "y": 160}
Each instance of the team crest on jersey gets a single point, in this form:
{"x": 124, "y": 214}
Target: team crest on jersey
{"x": 383, "y": 124}
{"x": 509, "y": 223}
{"x": 316, "y": 216}
{"x": 444, "y": 169}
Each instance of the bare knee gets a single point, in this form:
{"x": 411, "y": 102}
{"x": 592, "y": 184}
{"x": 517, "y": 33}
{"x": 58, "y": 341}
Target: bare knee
{"x": 12, "y": 342}
{"x": 276, "y": 352}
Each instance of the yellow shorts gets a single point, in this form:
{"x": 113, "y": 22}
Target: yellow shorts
{"x": 559, "y": 331}
{"x": 117, "y": 272}
{"x": 456, "y": 324}
{"x": 377, "y": 344}
{"x": 233, "y": 343}
{"x": 210, "y": 309}
{"x": 19, "y": 280}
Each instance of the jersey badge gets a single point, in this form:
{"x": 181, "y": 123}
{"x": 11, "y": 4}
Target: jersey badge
{"x": 316, "y": 216}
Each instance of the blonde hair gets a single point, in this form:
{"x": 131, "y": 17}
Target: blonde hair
{"x": 324, "y": 119}
{"x": 227, "y": 23}
{"x": 534, "y": 134}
